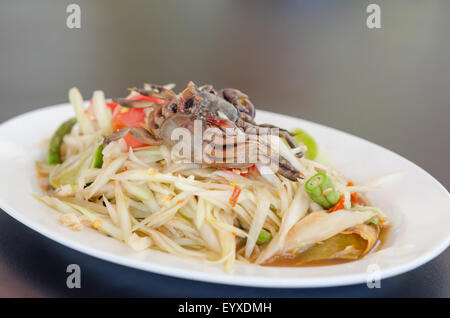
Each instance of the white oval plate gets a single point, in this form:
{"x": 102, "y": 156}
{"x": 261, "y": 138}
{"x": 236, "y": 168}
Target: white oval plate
{"x": 417, "y": 204}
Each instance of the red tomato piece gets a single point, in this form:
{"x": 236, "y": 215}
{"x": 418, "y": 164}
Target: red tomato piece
{"x": 112, "y": 106}
{"x": 129, "y": 117}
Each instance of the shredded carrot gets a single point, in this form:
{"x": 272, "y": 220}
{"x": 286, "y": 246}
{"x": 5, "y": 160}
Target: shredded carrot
{"x": 234, "y": 233}
{"x": 353, "y": 195}
{"x": 180, "y": 201}
{"x": 235, "y": 196}
{"x": 339, "y": 205}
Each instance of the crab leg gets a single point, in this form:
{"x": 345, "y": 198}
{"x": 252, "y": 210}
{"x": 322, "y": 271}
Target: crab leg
{"x": 130, "y": 103}
{"x": 281, "y": 132}
{"x": 139, "y": 133}
{"x": 239, "y": 100}
{"x": 153, "y": 91}
{"x": 228, "y": 152}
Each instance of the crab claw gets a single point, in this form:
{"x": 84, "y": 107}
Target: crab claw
{"x": 239, "y": 100}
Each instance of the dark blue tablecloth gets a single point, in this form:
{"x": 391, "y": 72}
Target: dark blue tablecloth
{"x": 32, "y": 265}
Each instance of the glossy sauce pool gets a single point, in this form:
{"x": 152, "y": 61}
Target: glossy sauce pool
{"x": 291, "y": 261}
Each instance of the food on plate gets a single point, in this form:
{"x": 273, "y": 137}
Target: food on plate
{"x": 192, "y": 174}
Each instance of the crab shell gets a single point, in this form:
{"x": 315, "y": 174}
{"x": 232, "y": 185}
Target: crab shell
{"x": 228, "y": 113}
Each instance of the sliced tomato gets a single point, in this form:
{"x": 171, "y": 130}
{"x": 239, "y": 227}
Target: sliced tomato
{"x": 129, "y": 117}
{"x": 112, "y": 106}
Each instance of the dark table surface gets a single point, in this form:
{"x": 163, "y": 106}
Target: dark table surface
{"x": 311, "y": 59}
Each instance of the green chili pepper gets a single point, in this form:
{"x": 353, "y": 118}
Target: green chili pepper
{"x": 303, "y": 137}
{"x": 98, "y": 157}
{"x": 321, "y": 190}
{"x": 54, "y": 148}
{"x": 264, "y": 237}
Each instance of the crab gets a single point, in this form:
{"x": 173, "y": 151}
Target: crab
{"x": 229, "y": 113}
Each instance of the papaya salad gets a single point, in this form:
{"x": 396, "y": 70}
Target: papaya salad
{"x": 111, "y": 168}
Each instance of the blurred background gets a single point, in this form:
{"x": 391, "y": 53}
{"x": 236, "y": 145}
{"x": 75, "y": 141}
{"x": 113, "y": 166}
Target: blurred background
{"x": 311, "y": 59}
